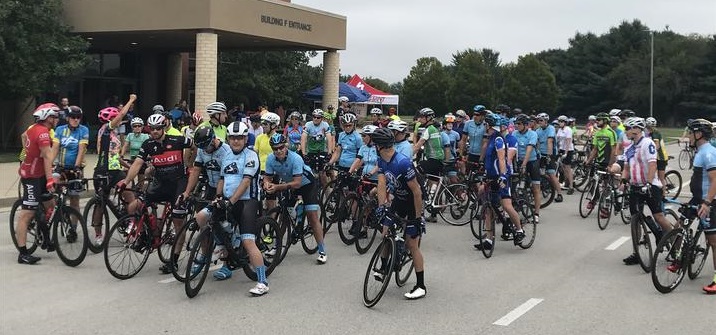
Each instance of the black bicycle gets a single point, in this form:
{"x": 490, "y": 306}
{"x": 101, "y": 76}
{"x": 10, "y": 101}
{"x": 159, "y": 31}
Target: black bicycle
{"x": 96, "y": 215}
{"x": 290, "y": 216}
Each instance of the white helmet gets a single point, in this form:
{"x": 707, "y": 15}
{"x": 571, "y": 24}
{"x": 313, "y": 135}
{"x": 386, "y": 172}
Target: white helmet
{"x": 317, "y": 112}
{"x": 615, "y": 118}
{"x": 348, "y": 118}
{"x": 461, "y": 113}
{"x": 592, "y": 118}
{"x": 237, "y": 128}
{"x": 650, "y": 122}
{"x": 635, "y": 122}
{"x": 343, "y": 99}
{"x": 158, "y": 109}
{"x": 137, "y": 120}
{"x": 398, "y": 125}
{"x": 376, "y": 111}
{"x": 215, "y": 108}
{"x": 271, "y": 118}
{"x": 562, "y": 118}
{"x": 543, "y": 116}
{"x": 41, "y": 114}
{"x": 614, "y": 112}
{"x": 369, "y": 129}
{"x": 156, "y": 120}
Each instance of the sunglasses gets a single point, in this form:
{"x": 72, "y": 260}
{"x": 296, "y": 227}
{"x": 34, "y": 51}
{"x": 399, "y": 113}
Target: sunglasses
{"x": 237, "y": 137}
{"x": 156, "y": 127}
{"x": 630, "y": 128}
{"x": 137, "y": 126}
{"x": 318, "y": 117}
{"x": 75, "y": 117}
{"x": 347, "y": 125}
{"x": 279, "y": 148}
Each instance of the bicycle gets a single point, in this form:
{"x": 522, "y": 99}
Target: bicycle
{"x": 61, "y": 229}
{"x": 686, "y": 156}
{"x": 184, "y": 238}
{"x": 446, "y": 197}
{"x": 235, "y": 257}
{"x": 680, "y": 251}
{"x": 339, "y": 207}
{"x": 393, "y": 255}
{"x": 291, "y": 220}
{"x": 589, "y": 196}
{"x": 113, "y": 202}
{"x": 642, "y": 227}
{"x": 610, "y": 197}
{"x": 363, "y": 231}
{"x": 673, "y": 182}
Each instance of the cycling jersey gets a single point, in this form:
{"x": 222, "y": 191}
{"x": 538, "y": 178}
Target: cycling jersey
{"x": 257, "y": 131}
{"x": 294, "y": 136}
{"x": 638, "y": 155}
{"x": 458, "y": 127}
{"x": 237, "y": 166}
{"x": 166, "y": 156}
{"x": 603, "y": 140}
{"x": 350, "y": 143}
{"x": 291, "y": 166}
{"x": 219, "y": 130}
{"x": 475, "y": 133}
{"x": 492, "y": 167}
{"x": 33, "y": 166}
{"x": 186, "y": 131}
{"x": 404, "y": 147}
{"x": 316, "y": 137}
{"x": 661, "y": 154}
{"x": 704, "y": 162}
{"x": 330, "y": 118}
{"x": 173, "y": 132}
{"x": 369, "y": 156}
{"x": 211, "y": 162}
{"x": 433, "y": 143}
{"x": 528, "y": 138}
{"x": 135, "y": 143}
{"x": 398, "y": 172}
{"x": 453, "y": 138}
{"x": 511, "y": 145}
{"x": 263, "y": 149}
{"x": 621, "y": 136}
{"x": 69, "y": 141}
{"x": 108, "y": 145}
{"x": 543, "y": 135}
{"x": 564, "y": 139}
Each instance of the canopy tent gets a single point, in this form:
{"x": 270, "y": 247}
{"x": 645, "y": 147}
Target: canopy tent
{"x": 377, "y": 97}
{"x": 344, "y": 90}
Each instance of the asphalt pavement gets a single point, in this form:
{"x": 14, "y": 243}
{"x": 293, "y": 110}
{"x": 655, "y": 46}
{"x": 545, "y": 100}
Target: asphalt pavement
{"x": 572, "y": 281}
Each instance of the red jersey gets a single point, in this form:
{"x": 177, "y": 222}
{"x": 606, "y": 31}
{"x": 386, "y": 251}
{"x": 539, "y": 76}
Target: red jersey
{"x": 33, "y": 166}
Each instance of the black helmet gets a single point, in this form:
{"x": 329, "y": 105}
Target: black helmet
{"x": 522, "y": 118}
{"x": 626, "y": 113}
{"x": 383, "y": 137}
{"x": 517, "y": 111}
{"x": 502, "y": 108}
{"x": 603, "y": 117}
{"x": 203, "y": 136}
{"x": 75, "y": 111}
{"x": 701, "y": 125}
{"x": 256, "y": 117}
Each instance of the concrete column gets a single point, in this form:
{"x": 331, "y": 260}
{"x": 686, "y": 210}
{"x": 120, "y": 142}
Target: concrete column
{"x": 331, "y": 74}
{"x": 207, "y": 48}
{"x": 174, "y": 79}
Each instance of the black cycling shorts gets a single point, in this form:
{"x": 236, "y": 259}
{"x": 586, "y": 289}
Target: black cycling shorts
{"x": 431, "y": 166}
{"x": 32, "y": 188}
{"x": 653, "y": 201}
{"x": 167, "y": 190}
{"x": 309, "y": 194}
{"x": 569, "y": 158}
{"x": 532, "y": 170}
{"x": 405, "y": 209}
{"x": 661, "y": 165}
{"x": 114, "y": 177}
{"x": 317, "y": 161}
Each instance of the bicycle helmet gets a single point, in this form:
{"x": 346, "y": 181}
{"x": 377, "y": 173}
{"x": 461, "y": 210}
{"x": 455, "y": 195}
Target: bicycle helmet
{"x": 492, "y": 120}
{"x": 461, "y": 113}
{"x": 157, "y": 109}
{"x": 330, "y": 107}
{"x": 614, "y": 112}
{"x": 271, "y": 118}
{"x": 197, "y": 118}
{"x": 44, "y": 111}
{"x": 633, "y": 122}
{"x": 348, "y": 118}
{"x": 137, "y": 120}
{"x": 700, "y": 125}
{"x": 107, "y": 114}
{"x": 376, "y": 111}
{"x": 592, "y": 118}
{"x": 479, "y": 109}
{"x": 317, "y": 112}
{"x": 277, "y": 139}
{"x": 543, "y": 116}
{"x": 203, "y": 136}
{"x": 426, "y": 112}
{"x": 215, "y": 108}
{"x": 155, "y": 120}
{"x": 449, "y": 118}
{"x": 627, "y": 113}
{"x": 603, "y": 117}
{"x": 503, "y": 121}
{"x": 295, "y": 115}
{"x": 615, "y": 118}
{"x": 650, "y": 122}
{"x": 343, "y": 99}
{"x": 522, "y": 119}
{"x": 517, "y": 111}
{"x": 75, "y": 111}
{"x": 369, "y": 129}
{"x": 237, "y": 128}
{"x": 383, "y": 137}
{"x": 398, "y": 125}
{"x": 502, "y": 108}
{"x": 562, "y": 118}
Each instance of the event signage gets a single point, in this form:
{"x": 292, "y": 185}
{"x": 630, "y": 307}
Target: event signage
{"x": 283, "y": 22}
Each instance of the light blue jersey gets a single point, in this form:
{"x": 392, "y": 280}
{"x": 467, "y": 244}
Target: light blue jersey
{"x": 704, "y": 161}
{"x": 70, "y": 140}
{"x": 212, "y": 162}
{"x": 528, "y": 138}
{"x": 475, "y": 133}
{"x": 290, "y": 167}
{"x": 404, "y": 147}
{"x": 453, "y": 138}
{"x": 369, "y": 156}
{"x": 542, "y": 135}
{"x": 350, "y": 144}
{"x": 237, "y": 166}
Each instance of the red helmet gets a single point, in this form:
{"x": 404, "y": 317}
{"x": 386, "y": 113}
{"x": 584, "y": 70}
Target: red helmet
{"x": 197, "y": 118}
{"x": 107, "y": 114}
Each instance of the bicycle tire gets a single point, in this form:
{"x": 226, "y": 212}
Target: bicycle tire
{"x": 32, "y": 241}
{"x": 195, "y": 277}
{"x": 548, "y": 192}
{"x": 482, "y": 230}
{"x": 458, "y": 204}
{"x": 165, "y": 249}
{"x": 698, "y": 254}
{"x": 363, "y": 244}
{"x": 673, "y": 184}
{"x": 604, "y": 205}
{"x": 684, "y": 159}
{"x": 330, "y": 208}
{"x": 475, "y": 218}
{"x": 387, "y": 246}
{"x": 586, "y": 198}
{"x": 189, "y": 231}
{"x": 123, "y": 243}
{"x": 625, "y": 212}
{"x": 286, "y": 231}
{"x": 406, "y": 267}
{"x": 88, "y": 217}
{"x": 641, "y": 242}
{"x": 308, "y": 239}
{"x": 529, "y": 226}
{"x": 72, "y": 253}
{"x": 664, "y": 280}
{"x": 581, "y": 175}
{"x": 347, "y": 213}
{"x": 268, "y": 238}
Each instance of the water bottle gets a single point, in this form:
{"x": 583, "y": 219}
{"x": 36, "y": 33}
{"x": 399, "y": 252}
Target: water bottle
{"x": 299, "y": 211}
{"x": 292, "y": 212}
{"x": 399, "y": 247}
{"x": 236, "y": 240}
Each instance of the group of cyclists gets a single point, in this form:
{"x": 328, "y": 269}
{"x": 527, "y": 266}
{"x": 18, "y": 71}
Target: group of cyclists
{"x": 248, "y": 162}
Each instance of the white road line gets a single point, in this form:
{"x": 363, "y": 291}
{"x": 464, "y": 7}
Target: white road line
{"x": 517, "y": 312}
{"x": 172, "y": 279}
{"x": 616, "y": 244}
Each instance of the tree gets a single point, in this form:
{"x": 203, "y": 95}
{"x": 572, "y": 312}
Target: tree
{"x": 530, "y": 85}
{"x": 701, "y": 101}
{"x": 37, "y": 49}
{"x": 378, "y": 84}
{"x": 472, "y": 81}
{"x": 425, "y": 86}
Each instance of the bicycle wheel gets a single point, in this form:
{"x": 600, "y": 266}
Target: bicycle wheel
{"x": 476, "y": 218}
{"x": 87, "y": 215}
{"x": 186, "y": 236}
{"x": 456, "y": 201}
{"x": 483, "y": 231}
{"x": 666, "y": 265}
{"x": 364, "y": 242}
{"x": 548, "y": 192}
{"x": 379, "y": 272}
{"x": 69, "y": 235}
{"x": 527, "y": 219}
{"x": 345, "y": 218}
{"x": 329, "y": 206}
{"x": 32, "y": 234}
{"x": 269, "y": 238}
{"x": 126, "y": 250}
{"x": 641, "y": 242}
{"x": 684, "y": 159}
{"x": 605, "y": 206}
{"x": 698, "y": 255}
{"x": 624, "y": 211}
{"x": 673, "y": 184}
{"x": 586, "y": 201}
{"x": 406, "y": 267}
{"x": 581, "y": 175}
{"x": 285, "y": 231}
{"x": 167, "y": 241}
{"x": 200, "y": 259}
{"x": 308, "y": 240}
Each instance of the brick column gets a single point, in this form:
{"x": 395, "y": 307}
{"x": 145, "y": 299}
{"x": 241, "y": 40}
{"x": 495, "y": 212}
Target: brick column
{"x": 207, "y": 45}
{"x": 331, "y": 73}
{"x": 174, "y": 79}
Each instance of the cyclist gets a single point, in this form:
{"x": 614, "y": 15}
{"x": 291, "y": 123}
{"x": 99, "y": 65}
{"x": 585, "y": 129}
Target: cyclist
{"x": 474, "y": 133}
{"x": 188, "y": 130}
{"x": 376, "y": 116}
{"x": 270, "y": 122}
{"x": 640, "y": 173}
{"x": 348, "y": 144}
{"x": 367, "y": 158}
{"x": 396, "y": 174}
{"x": 256, "y": 129}
{"x": 703, "y": 184}
{"x": 166, "y": 153}
{"x": 504, "y": 111}
{"x": 294, "y": 131}
{"x": 436, "y": 153}
{"x": 72, "y": 139}
{"x": 548, "y": 152}
{"x": 498, "y": 172}
{"x": 603, "y": 152}
{"x": 108, "y": 160}
{"x": 36, "y": 176}
{"x": 132, "y": 144}
{"x": 289, "y": 167}
{"x": 330, "y": 116}
{"x": 459, "y": 124}
{"x": 589, "y": 128}
{"x": 342, "y": 109}
{"x": 565, "y": 143}
{"x": 527, "y": 157}
{"x": 451, "y": 138}
{"x": 23, "y": 136}
{"x": 217, "y": 118}
{"x": 316, "y": 143}
{"x": 402, "y": 145}
{"x": 662, "y": 158}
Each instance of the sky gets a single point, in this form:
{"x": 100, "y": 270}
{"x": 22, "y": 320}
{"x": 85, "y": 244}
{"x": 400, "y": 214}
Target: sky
{"x": 385, "y": 38}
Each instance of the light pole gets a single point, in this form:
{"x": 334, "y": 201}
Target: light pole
{"x": 651, "y": 78}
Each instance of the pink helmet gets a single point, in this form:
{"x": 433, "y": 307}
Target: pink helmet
{"x": 107, "y": 114}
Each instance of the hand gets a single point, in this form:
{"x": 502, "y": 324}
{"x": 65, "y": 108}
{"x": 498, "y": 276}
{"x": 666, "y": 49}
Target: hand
{"x": 271, "y": 188}
{"x": 503, "y": 181}
{"x": 381, "y": 210}
{"x": 180, "y": 200}
{"x": 121, "y": 185}
{"x": 50, "y": 185}
{"x": 704, "y": 210}
{"x": 646, "y": 189}
{"x": 132, "y": 97}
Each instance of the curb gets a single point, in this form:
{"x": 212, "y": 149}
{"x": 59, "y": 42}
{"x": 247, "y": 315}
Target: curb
{"x": 7, "y": 202}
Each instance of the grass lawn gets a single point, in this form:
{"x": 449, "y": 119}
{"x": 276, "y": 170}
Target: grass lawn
{"x": 8, "y": 157}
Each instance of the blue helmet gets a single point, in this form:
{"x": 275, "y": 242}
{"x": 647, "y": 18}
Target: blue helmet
{"x": 492, "y": 119}
{"x": 479, "y": 109}
{"x": 277, "y": 139}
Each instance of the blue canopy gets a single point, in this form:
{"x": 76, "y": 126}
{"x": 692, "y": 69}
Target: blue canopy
{"x": 344, "y": 90}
